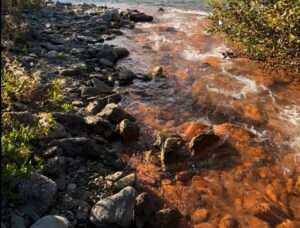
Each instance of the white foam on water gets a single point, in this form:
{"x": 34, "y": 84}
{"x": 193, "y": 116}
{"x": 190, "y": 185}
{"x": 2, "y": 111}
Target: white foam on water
{"x": 291, "y": 113}
{"x": 158, "y": 40}
{"x": 193, "y": 12}
{"x": 250, "y": 86}
{"x": 192, "y": 54}
{"x": 247, "y": 86}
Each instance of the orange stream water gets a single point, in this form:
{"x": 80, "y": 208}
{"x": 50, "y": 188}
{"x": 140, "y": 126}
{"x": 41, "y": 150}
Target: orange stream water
{"x": 258, "y": 111}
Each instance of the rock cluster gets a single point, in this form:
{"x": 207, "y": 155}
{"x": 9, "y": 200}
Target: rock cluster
{"x": 74, "y": 190}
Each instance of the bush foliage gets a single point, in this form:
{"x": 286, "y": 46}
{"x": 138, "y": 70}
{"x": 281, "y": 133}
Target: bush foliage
{"x": 19, "y": 139}
{"x": 265, "y": 30}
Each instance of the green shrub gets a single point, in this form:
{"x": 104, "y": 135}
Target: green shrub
{"x": 19, "y": 157}
{"x": 265, "y": 30}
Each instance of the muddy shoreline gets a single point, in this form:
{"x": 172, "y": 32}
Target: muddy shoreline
{"x": 137, "y": 150}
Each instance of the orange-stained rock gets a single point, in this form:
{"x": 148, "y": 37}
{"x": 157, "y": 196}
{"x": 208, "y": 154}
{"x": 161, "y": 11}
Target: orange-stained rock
{"x": 228, "y": 222}
{"x": 192, "y": 129}
{"x": 271, "y": 192}
{"x": 251, "y": 112}
{"x": 184, "y": 176}
{"x": 297, "y": 185}
{"x": 185, "y": 199}
{"x": 213, "y": 61}
{"x": 253, "y": 221}
{"x": 202, "y": 145}
{"x": 203, "y": 225}
{"x": 288, "y": 224}
{"x": 200, "y": 215}
{"x": 200, "y": 184}
{"x": 270, "y": 213}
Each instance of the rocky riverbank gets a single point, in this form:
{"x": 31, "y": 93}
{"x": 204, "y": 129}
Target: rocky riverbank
{"x": 101, "y": 167}
{"x": 83, "y": 182}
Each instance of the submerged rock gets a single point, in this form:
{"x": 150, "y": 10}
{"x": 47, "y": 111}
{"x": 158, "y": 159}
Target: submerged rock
{"x": 117, "y": 209}
{"x": 228, "y": 222}
{"x": 157, "y": 72}
{"x": 202, "y": 144}
{"x": 170, "y": 145}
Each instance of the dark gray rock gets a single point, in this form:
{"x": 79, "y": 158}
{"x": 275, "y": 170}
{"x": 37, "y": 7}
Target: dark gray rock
{"x": 166, "y": 218}
{"x": 51, "y": 152}
{"x": 126, "y": 76}
{"x": 117, "y": 209}
{"x": 52, "y": 47}
{"x": 95, "y": 107}
{"x": 111, "y": 15}
{"x": 137, "y": 16}
{"x": 54, "y": 166}
{"x": 69, "y": 120}
{"x": 114, "y": 98}
{"x": 100, "y": 125}
{"x": 93, "y": 91}
{"x": 82, "y": 211}
{"x": 80, "y": 146}
{"x": 129, "y": 131}
{"x": 38, "y": 191}
{"x": 115, "y": 114}
{"x": 144, "y": 209}
{"x": 52, "y": 221}
{"x": 17, "y": 221}
{"x": 121, "y": 52}
{"x": 101, "y": 85}
{"x": 75, "y": 70}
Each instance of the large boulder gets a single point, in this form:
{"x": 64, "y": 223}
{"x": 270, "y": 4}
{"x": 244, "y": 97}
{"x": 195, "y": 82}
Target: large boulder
{"x": 80, "y": 146}
{"x": 115, "y": 114}
{"x": 52, "y": 221}
{"x": 117, "y": 209}
{"x": 38, "y": 192}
